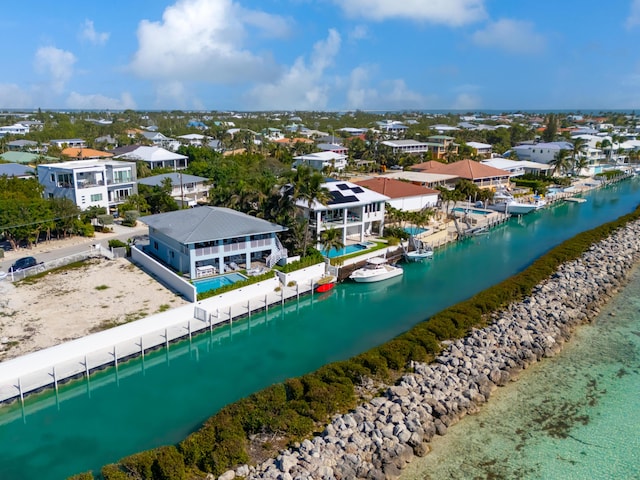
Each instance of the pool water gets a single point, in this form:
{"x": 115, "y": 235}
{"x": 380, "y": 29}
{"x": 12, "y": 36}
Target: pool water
{"x": 345, "y": 250}
{"x": 472, "y": 210}
{"x": 415, "y": 230}
{"x": 217, "y": 282}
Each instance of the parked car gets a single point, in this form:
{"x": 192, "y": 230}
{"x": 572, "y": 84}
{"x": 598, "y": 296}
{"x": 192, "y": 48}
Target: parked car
{"x": 23, "y": 263}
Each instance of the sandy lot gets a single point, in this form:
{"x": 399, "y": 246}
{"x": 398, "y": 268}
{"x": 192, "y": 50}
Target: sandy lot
{"x": 61, "y": 306}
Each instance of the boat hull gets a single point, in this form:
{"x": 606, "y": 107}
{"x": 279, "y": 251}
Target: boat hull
{"x": 325, "y": 287}
{"x": 418, "y": 256}
{"x": 513, "y": 208}
{"x": 390, "y": 272}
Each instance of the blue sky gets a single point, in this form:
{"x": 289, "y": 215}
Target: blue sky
{"x": 321, "y": 54}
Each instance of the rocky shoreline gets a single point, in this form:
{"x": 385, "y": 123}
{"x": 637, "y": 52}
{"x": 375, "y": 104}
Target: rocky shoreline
{"x": 378, "y": 439}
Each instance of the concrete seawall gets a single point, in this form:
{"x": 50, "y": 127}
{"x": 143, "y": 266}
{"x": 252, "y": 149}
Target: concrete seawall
{"x": 48, "y": 367}
{"x": 378, "y": 439}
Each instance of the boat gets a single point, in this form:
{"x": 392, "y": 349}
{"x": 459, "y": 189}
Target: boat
{"x": 325, "y": 284}
{"x": 375, "y": 270}
{"x": 418, "y": 255}
{"x": 505, "y": 203}
{"x": 420, "y": 251}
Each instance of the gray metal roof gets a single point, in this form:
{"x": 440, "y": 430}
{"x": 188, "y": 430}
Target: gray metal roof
{"x": 204, "y": 224}
{"x": 15, "y": 170}
{"x": 176, "y": 179}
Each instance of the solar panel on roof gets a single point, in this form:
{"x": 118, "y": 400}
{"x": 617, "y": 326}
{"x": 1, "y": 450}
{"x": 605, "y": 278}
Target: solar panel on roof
{"x": 343, "y": 186}
{"x": 357, "y": 190}
{"x": 343, "y": 199}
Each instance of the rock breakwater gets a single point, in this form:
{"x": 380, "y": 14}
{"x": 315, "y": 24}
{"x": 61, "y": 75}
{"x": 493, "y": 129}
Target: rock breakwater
{"x": 379, "y": 438}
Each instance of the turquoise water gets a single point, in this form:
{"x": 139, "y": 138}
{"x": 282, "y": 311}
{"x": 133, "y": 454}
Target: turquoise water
{"x": 415, "y": 230}
{"x": 217, "y": 282}
{"x": 472, "y": 210}
{"x": 575, "y": 416}
{"x": 345, "y": 250}
{"x": 160, "y": 399}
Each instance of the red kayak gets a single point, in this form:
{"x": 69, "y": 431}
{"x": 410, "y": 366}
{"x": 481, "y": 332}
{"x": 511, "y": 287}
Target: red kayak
{"x": 326, "y": 283}
{"x": 325, "y": 287}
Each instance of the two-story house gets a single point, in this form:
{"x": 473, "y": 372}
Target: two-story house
{"x": 205, "y": 240}
{"x": 90, "y": 183}
{"x": 354, "y": 210}
{"x": 155, "y": 157}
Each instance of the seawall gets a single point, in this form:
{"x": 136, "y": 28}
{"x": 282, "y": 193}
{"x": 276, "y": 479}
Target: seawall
{"x": 378, "y": 439}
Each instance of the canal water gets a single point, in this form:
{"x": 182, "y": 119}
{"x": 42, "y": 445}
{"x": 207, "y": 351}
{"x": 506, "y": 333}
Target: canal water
{"x": 160, "y": 399}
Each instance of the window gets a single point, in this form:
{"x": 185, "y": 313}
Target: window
{"x": 53, "y": 177}
{"x": 83, "y": 199}
{"x": 155, "y": 245}
{"x": 97, "y": 197}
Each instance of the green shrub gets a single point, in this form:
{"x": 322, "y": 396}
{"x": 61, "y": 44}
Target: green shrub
{"x": 113, "y": 472}
{"x": 396, "y": 232}
{"x": 168, "y": 465}
{"x": 115, "y": 243}
{"x": 82, "y": 476}
{"x": 314, "y": 257}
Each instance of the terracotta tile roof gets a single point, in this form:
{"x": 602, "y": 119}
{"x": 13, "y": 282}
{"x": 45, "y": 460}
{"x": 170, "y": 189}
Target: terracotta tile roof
{"x": 80, "y": 153}
{"x": 469, "y": 169}
{"x": 395, "y": 188}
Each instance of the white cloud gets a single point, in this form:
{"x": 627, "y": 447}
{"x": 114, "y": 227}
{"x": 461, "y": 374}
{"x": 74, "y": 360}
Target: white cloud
{"x": 57, "y": 64}
{"x": 303, "y": 86}
{"x": 12, "y": 96}
{"x": 100, "y": 102}
{"x": 389, "y": 95}
{"x": 447, "y": 12}
{"x": 513, "y": 36}
{"x": 467, "y": 101}
{"x": 89, "y": 33}
{"x": 202, "y": 40}
{"x": 634, "y": 15}
{"x": 359, "y": 32}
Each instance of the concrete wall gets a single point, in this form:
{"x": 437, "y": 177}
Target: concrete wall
{"x": 304, "y": 277}
{"x": 165, "y": 275}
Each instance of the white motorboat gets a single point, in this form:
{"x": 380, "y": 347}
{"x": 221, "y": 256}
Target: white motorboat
{"x": 505, "y": 203}
{"x": 375, "y": 270}
{"x": 418, "y": 255}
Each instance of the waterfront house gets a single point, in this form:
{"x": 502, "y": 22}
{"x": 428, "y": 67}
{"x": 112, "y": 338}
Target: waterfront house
{"x": 354, "y": 210}
{"x": 518, "y": 167}
{"x": 187, "y": 190}
{"x": 541, "y": 152}
{"x": 483, "y": 176}
{"x": 205, "y": 240}
{"x": 425, "y": 179}
{"x": 90, "y": 183}
{"x": 155, "y": 157}
{"x": 404, "y": 196}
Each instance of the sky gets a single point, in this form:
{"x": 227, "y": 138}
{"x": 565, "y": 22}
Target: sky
{"x": 329, "y": 55}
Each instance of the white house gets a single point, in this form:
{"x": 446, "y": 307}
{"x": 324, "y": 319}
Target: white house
{"x": 194, "y": 139}
{"x": 404, "y": 196}
{"x": 68, "y": 142}
{"x": 320, "y": 160}
{"x": 187, "y": 190}
{"x": 356, "y": 211}
{"x": 541, "y": 152}
{"x": 155, "y": 157}
{"x": 15, "y": 129}
{"x": 406, "y": 146}
{"x": 89, "y": 183}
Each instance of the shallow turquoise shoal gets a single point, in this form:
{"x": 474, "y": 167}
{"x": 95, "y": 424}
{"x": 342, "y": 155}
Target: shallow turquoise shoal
{"x": 575, "y": 416}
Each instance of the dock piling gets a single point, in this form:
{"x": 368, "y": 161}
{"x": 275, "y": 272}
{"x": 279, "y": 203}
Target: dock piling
{"x": 86, "y": 366}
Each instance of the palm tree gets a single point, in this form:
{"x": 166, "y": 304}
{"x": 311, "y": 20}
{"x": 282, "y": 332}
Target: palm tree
{"x": 580, "y": 164}
{"x": 307, "y": 186}
{"x": 560, "y": 162}
{"x": 331, "y": 239}
{"x": 578, "y": 145}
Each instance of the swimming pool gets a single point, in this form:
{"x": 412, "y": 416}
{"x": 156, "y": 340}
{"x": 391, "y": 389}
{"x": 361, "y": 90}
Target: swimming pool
{"x": 473, "y": 211}
{"x": 415, "y": 230}
{"x": 217, "y": 282}
{"x": 345, "y": 251}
